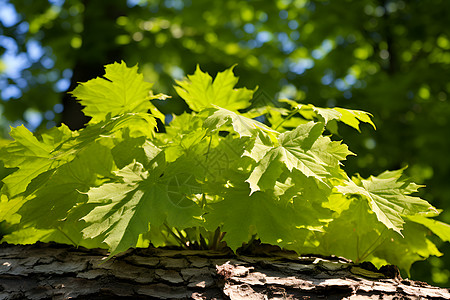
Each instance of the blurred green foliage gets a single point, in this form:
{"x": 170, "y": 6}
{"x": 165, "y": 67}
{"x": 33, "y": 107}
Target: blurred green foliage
{"x": 388, "y": 57}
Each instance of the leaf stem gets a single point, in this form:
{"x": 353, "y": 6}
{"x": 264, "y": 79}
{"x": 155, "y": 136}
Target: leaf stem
{"x": 288, "y": 117}
{"x": 207, "y": 154}
{"x": 369, "y": 251}
{"x": 357, "y": 247}
{"x": 178, "y": 238}
{"x": 68, "y": 237}
{"x": 217, "y": 238}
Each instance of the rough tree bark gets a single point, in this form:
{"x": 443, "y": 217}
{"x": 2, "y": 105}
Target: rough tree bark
{"x": 50, "y": 271}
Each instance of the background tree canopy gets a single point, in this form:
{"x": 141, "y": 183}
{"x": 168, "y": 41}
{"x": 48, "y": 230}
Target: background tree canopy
{"x": 388, "y": 57}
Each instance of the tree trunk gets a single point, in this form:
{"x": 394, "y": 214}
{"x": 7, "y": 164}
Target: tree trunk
{"x": 50, "y": 271}
{"x": 98, "y": 49}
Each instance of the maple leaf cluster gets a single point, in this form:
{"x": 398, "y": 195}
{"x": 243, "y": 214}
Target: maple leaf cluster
{"x": 119, "y": 183}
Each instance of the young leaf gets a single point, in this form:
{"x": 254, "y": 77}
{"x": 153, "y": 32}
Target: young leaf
{"x": 347, "y": 116}
{"x": 242, "y": 125}
{"x": 118, "y": 183}
{"x": 330, "y": 152}
{"x": 292, "y": 152}
{"x": 388, "y": 197}
{"x": 441, "y": 229}
{"x": 200, "y": 91}
{"x": 121, "y": 90}
{"x": 353, "y": 117}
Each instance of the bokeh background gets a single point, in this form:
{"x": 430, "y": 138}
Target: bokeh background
{"x": 388, "y": 57}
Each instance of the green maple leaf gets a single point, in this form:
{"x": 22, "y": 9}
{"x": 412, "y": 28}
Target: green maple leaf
{"x": 184, "y": 124}
{"x": 108, "y": 132}
{"x": 388, "y": 197}
{"x": 184, "y": 134}
{"x": 357, "y": 234}
{"x": 348, "y": 116}
{"x": 441, "y": 229}
{"x": 268, "y": 169}
{"x": 331, "y": 153}
{"x": 244, "y": 126}
{"x": 31, "y": 235}
{"x": 117, "y": 184}
{"x": 304, "y": 136}
{"x": 242, "y": 216}
{"x": 293, "y": 152}
{"x": 64, "y": 188}
{"x": 353, "y": 117}
{"x": 200, "y": 91}
{"x": 404, "y": 251}
{"x": 122, "y": 90}
{"x": 125, "y": 210}
{"x": 300, "y": 188}
{"x": 31, "y": 156}
{"x": 353, "y": 233}
{"x": 67, "y": 233}
{"x": 44, "y": 213}
{"x": 139, "y": 149}
{"x": 223, "y": 162}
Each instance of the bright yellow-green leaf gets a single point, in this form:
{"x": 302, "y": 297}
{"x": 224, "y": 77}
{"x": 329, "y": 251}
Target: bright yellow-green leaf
{"x": 118, "y": 183}
{"x": 388, "y": 197}
{"x": 441, "y": 229}
{"x": 242, "y": 125}
{"x": 31, "y": 156}
{"x": 347, "y": 116}
{"x": 121, "y": 90}
{"x": 200, "y": 91}
{"x": 292, "y": 152}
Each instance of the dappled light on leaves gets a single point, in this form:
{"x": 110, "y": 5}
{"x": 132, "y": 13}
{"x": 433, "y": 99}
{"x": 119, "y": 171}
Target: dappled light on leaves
{"x": 120, "y": 183}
